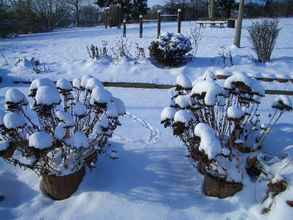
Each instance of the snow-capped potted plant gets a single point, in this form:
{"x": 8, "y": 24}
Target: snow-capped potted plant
{"x": 170, "y": 49}
{"x": 221, "y": 126}
{"x": 62, "y": 130}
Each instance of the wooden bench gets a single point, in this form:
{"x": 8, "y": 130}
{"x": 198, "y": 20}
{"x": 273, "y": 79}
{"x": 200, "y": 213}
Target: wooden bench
{"x": 213, "y": 24}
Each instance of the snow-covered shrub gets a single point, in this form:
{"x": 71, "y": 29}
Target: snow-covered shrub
{"x": 32, "y": 65}
{"x": 263, "y": 36}
{"x": 66, "y": 123}
{"x": 99, "y": 52}
{"x": 220, "y": 124}
{"x": 170, "y": 49}
{"x": 122, "y": 50}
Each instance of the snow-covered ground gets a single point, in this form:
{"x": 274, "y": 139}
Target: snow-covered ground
{"x": 152, "y": 179}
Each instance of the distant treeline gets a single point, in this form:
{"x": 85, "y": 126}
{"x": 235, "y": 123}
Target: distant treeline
{"x": 28, "y": 16}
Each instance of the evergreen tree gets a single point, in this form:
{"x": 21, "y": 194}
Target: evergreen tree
{"x": 139, "y": 8}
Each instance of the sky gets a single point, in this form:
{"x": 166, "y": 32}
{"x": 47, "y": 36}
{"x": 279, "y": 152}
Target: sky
{"x": 155, "y": 2}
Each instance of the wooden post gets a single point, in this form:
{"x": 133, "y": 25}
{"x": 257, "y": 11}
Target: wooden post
{"x": 237, "y": 37}
{"x": 124, "y": 27}
{"x": 159, "y": 24}
{"x": 106, "y": 18}
{"x": 140, "y": 26}
{"x": 179, "y": 21}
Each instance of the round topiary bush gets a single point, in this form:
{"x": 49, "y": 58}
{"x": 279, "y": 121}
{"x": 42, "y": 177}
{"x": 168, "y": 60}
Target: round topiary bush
{"x": 60, "y": 131}
{"x": 170, "y": 49}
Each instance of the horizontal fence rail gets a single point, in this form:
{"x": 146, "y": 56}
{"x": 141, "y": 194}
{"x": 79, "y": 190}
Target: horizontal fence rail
{"x": 141, "y": 85}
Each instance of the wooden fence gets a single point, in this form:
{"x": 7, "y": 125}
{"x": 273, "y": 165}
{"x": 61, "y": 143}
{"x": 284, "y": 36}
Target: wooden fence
{"x": 137, "y": 85}
{"x": 159, "y": 21}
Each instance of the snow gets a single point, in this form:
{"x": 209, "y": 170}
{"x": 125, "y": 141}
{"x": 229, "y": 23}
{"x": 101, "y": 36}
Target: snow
{"x": 183, "y": 101}
{"x": 65, "y": 117}
{"x": 210, "y": 89}
{"x": 100, "y": 95}
{"x": 93, "y": 83}
{"x": 59, "y": 132}
{"x": 253, "y": 84}
{"x": 13, "y": 120}
{"x": 15, "y": 96}
{"x": 84, "y": 79}
{"x": 119, "y": 105}
{"x": 47, "y": 95}
{"x": 4, "y": 145}
{"x": 103, "y": 122}
{"x": 79, "y": 140}
{"x": 41, "y": 140}
{"x": 76, "y": 83}
{"x": 168, "y": 113}
{"x": 152, "y": 179}
{"x": 40, "y": 82}
{"x": 209, "y": 142}
{"x": 235, "y": 112}
{"x": 283, "y": 101}
{"x": 183, "y": 81}
{"x": 112, "y": 111}
{"x": 64, "y": 84}
{"x": 183, "y": 116}
{"x": 79, "y": 109}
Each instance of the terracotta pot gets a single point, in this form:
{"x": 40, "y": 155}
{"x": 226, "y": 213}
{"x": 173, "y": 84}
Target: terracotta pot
{"x": 217, "y": 187}
{"x": 61, "y": 187}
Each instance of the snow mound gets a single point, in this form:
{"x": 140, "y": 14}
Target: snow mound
{"x": 209, "y": 141}
{"x": 100, "y": 95}
{"x": 183, "y": 116}
{"x": 76, "y": 83}
{"x": 15, "y": 96}
{"x": 183, "y": 81}
{"x": 47, "y": 95}
{"x": 40, "y": 82}
{"x": 64, "y": 84}
{"x": 93, "y": 83}
{"x": 13, "y": 120}
{"x": 183, "y": 101}
{"x": 239, "y": 77}
{"x": 207, "y": 88}
{"x": 168, "y": 113}
{"x": 41, "y": 140}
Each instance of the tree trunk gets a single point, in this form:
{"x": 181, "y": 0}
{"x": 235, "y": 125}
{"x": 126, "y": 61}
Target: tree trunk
{"x": 211, "y": 8}
{"x": 239, "y": 24}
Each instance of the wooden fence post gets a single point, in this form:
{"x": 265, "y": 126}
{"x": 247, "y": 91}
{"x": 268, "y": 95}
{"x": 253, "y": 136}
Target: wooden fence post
{"x": 124, "y": 27}
{"x": 140, "y": 26}
{"x": 106, "y": 17}
{"x": 179, "y": 21}
{"x": 159, "y": 24}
